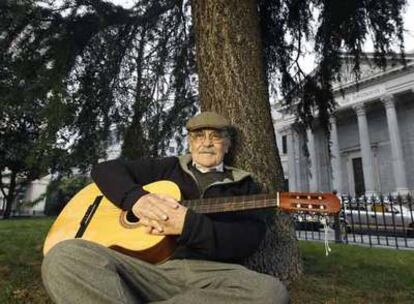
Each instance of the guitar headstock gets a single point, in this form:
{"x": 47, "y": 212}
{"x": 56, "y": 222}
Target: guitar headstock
{"x": 307, "y": 202}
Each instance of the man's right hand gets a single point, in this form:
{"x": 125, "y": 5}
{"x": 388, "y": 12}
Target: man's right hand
{"x": 153, "y": 210}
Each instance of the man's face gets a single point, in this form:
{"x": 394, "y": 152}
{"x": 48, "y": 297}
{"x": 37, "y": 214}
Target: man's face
{"x": 208, "y": 146}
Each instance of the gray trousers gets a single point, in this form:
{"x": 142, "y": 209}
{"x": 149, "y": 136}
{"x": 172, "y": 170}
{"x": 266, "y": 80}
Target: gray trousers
{"x": 78, "y": 271}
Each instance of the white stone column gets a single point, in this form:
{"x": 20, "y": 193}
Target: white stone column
{"x": 302, "y": 163}
{"x": 396, "y": 147}
{"x": 291, "y": 160}
{"x": 298, "y": 167}
{"x": 364, "y": 141}
{"x": 313, "y": 178}
{"x": 335, "y": 157}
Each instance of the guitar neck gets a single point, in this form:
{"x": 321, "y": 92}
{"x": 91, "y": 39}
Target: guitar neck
{"x": 323, "y": 203}
{"x": 235, "y": 203}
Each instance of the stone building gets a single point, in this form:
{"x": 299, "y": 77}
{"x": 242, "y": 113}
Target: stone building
{"x": 372, "y": 136}
{"x": 31, "y": 201}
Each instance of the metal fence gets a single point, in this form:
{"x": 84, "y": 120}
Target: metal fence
{"x": 374, "y": 221}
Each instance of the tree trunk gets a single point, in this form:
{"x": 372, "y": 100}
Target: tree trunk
{"x": 135, "y": 145}
{"x": 232, "y": 82}
{"x": 10, "y": 195}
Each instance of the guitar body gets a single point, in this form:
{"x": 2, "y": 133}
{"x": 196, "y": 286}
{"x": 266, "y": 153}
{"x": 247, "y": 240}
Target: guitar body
{"x": 90, "y": 216}
{"x": 111, "y": 227}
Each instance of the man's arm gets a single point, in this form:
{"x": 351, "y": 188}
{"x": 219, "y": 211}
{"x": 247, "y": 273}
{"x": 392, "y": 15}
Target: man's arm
{"x": 225, "y": 236}
{"x": 122, "y": 181}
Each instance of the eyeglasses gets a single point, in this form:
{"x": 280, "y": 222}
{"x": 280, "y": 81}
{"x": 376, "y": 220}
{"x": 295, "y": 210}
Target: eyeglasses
{"x": 215, "y": 136}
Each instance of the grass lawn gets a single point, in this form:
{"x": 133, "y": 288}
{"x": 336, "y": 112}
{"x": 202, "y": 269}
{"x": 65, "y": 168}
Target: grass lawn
{"x": 351, "y": 274}
{"x": 354, "y": 274}
{"x": 20, "y": 259}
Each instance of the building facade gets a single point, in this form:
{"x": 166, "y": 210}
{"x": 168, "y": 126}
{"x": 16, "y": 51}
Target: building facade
{"x": 31, "y": 200}
{"x": 372, "y": 136}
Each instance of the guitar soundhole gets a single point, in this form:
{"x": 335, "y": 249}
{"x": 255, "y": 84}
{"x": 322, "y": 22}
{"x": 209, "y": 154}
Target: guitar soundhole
{"x": 131, "y": 218}
{"x": 128, "y": 220}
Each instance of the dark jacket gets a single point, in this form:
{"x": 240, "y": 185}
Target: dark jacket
{"x": 221, "y": 236}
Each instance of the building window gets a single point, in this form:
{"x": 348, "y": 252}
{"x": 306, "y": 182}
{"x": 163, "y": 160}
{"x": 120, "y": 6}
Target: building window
{"x": 286, "y": 185}
{"x": 284, "y": 144}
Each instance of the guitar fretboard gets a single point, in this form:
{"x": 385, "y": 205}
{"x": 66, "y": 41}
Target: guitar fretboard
{"x": 235, "y": 203}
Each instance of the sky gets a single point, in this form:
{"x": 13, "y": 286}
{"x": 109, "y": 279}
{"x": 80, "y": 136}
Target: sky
{"x": 409, "y": 25}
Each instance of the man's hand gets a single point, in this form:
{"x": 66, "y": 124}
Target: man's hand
{"x": 161, "y": 214}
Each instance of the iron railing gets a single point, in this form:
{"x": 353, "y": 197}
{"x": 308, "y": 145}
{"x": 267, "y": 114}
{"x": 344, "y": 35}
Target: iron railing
{"x": 373, "y": 221}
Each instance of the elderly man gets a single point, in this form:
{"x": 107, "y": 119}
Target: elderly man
{"x": 204, "y": 268}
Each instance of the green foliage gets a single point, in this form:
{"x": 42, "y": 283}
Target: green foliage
{"x": 77, "y": 76}
{"x": 61, "y": 190}
{"x": 104, "y": 73}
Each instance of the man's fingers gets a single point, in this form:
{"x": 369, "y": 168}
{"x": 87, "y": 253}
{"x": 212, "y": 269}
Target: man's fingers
{"x": 148, "y": 229}
{"x": 153, "y": 213}
{"x": 155, "y": 207}
{"x": 151, "y": 224}
{"x": 152, "y": 210}
{"x": 169, "y": 201}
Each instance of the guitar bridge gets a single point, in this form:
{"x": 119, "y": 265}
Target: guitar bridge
{"x": 88, "y": 216}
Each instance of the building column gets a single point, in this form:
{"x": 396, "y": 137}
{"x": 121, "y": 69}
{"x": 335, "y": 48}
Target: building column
{"x": 291, "y": 159}
{"x": 313, "y": 179}
{"x": 335, "y": 157}
{"x": 396, "y": 147}
{"x": 300, "y": 170}
{"x": 303, "y": 164}
{"x": 364, "y": 141}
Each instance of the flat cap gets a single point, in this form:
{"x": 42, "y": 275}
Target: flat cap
{"x": 207, "y": 120}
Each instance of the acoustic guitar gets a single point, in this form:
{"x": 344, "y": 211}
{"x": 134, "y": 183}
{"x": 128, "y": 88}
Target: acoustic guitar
{"x": 91, "y": 216}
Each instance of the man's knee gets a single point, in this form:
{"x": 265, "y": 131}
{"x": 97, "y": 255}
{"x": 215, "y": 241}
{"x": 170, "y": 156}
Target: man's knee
{"x": 260, "y": 288}
{"x": 272, "y": 290}
{"x": 58, "y": 255}
{"x": 68, "y": 256}
{"x": 58, "y": 262}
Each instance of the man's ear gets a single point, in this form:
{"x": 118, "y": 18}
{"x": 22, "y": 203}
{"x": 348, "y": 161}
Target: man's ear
{"x": 228, "y": 145}
{"x": 189, "y": 144}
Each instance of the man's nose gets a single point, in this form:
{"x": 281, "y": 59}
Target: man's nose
{"x": 207, "y": 141}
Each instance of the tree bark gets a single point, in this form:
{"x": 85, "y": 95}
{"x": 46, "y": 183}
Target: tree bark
{"x": 232, "y": 82}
